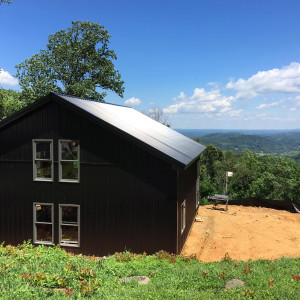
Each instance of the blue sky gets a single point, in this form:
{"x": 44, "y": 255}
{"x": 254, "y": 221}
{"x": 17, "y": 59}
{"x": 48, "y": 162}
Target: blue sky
{"x": 206, "y": 63}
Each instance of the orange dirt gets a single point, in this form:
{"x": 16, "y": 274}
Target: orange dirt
{"x": 244, "y": 233}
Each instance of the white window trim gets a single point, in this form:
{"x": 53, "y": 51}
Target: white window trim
{"x": 35, "y": 241}
{"x": 183, "y": 215}
{"x": 63, "y": 160}
{"x": 64, "y": 243}
{"x": 35, "y": 178}
{"x": 197, "y": 191}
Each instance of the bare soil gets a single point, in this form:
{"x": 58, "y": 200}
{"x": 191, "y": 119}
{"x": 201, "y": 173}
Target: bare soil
{"x": 244, "y": 233}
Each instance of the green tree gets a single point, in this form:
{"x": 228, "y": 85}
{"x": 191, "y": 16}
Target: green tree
{"x": 254, "y": 175}
{"x": 9, "y": 102}
{"x": 5, "y": 1}
{"x": 77, "y": 61}
{"x": 209, "y": 158}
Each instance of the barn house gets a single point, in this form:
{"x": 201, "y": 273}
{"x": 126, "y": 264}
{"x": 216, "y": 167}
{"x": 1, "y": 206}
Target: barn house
{"x": 95, "y": 178}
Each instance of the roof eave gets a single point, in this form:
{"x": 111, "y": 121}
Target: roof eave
{"x": 193, "y": 160}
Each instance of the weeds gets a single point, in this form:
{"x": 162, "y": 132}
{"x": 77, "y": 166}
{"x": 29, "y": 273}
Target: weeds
{"x": 28, "y": 272}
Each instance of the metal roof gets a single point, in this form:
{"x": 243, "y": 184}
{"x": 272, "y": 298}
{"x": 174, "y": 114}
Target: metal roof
{"x": 160, "y": 137}
{"x": 164, "y": 141}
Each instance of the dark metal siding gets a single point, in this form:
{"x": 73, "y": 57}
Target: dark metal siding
{"x": 127, "y": 196}
{"x": 186, "y": 190}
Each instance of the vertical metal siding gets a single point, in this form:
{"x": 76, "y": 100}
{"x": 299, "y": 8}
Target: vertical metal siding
{"x": 186, "y": 190}
{"x": 127, "y": 196}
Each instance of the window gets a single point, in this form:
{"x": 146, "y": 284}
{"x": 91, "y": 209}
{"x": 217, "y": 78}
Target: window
{"x": 69, "y": 225}
{"x": 42, "y": 160}
{"x": 69, "y": 161}
{"x": 183, "y": 215}
{"x": 43, "y": 223}
{"x": 197, "y": 191}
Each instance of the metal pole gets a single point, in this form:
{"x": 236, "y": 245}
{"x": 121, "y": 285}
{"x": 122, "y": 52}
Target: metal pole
{"x": 226, "y": 187}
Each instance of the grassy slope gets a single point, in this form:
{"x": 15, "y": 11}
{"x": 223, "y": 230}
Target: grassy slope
{"x": 30, "y": 272}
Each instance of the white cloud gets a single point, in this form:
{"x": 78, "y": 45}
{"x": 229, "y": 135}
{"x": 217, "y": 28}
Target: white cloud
{"x": 297, "y": 100}
{"x": 7, "y": 79}
{"x": 284, "y": 80}
{"x": 293, "y": 109}
{"x": 266, "y": 105}
{"x": 235, "y": 113}
{"x": 133, "y": 101}
{"x": 201, "y": 101}
{"x": 181, "y": 96}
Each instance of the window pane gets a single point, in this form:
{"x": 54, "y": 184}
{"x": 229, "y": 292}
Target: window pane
{"x": 43, "y": 169}
{"x": 69, "y": 214}
{"x": 44, "y": 232}
{"x": 43, "y": 213}
{"x": 69, "y": 150}
{"x": 69, "y": 170}
{"x": 183, "y": 216}
{"x": 43, "y": 150}
{"x": 69, "y": 233}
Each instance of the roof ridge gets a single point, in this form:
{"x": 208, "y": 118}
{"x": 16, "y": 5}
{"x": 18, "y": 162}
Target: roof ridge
{"x": 86, "y": 99}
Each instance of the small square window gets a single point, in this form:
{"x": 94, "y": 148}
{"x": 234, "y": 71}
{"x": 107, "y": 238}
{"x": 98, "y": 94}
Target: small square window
{"x": 42, "y": 160}
{"x": 43, "y": 223}
{"x": 69, "y": 225}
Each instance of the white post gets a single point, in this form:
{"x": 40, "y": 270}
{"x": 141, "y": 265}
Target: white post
{"x": 228, "y": 174}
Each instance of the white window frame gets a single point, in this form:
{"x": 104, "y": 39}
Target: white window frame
{"x": 66, "y": 243}
{"x": 183, "y": 215}
{"x": 35, "y": 178}
{"x": 197, "y": 191}
{"x": 35, "y": 241}
{"x": 60, "y": 160}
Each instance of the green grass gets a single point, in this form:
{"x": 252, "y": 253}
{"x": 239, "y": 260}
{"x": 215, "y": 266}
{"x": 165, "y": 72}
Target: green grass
{"x": 28, "y": 272}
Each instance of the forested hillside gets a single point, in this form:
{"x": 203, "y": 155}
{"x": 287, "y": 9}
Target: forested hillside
{"x": 282, "y": 144}
{"x": 263, "y": 176}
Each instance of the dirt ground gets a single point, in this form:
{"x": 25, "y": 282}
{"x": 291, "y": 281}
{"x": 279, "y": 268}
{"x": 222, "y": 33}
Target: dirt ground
{"x": 244, "y": 233}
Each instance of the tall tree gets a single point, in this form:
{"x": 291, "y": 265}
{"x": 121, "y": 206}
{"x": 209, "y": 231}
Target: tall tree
{"x": 77, "y": 61}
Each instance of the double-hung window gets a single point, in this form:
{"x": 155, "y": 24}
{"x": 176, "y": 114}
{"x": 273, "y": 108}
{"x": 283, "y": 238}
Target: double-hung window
{"x": 69, "y": 164}
{"x": 183, "y": 215}
{"x": 43, "y": 223}
{"x": 42, "y": 160}
{"x": 69, "y": 225}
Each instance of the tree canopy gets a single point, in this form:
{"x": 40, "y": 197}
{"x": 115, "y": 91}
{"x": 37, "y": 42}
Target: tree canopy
{"x": 76, "y": 61}
{"x": 254, "y": 175}
{"x": 5, "y": 1}
{"x": 9, "y": 102}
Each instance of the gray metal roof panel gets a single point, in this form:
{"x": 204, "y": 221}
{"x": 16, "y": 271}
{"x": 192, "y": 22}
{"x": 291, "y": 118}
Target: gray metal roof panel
{"x": 141, "y": 127}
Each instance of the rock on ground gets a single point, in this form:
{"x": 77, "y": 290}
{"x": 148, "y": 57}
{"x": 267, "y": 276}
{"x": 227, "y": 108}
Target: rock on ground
{"x": 138, "y": 279}
{"x": 234, "y": 283}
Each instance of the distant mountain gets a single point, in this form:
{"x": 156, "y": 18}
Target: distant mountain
{"x": 238, "y": 142}
{"x": 196, "y": 133}
{"x": 285, "y": 144}
{"x": 287, "y": 138}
